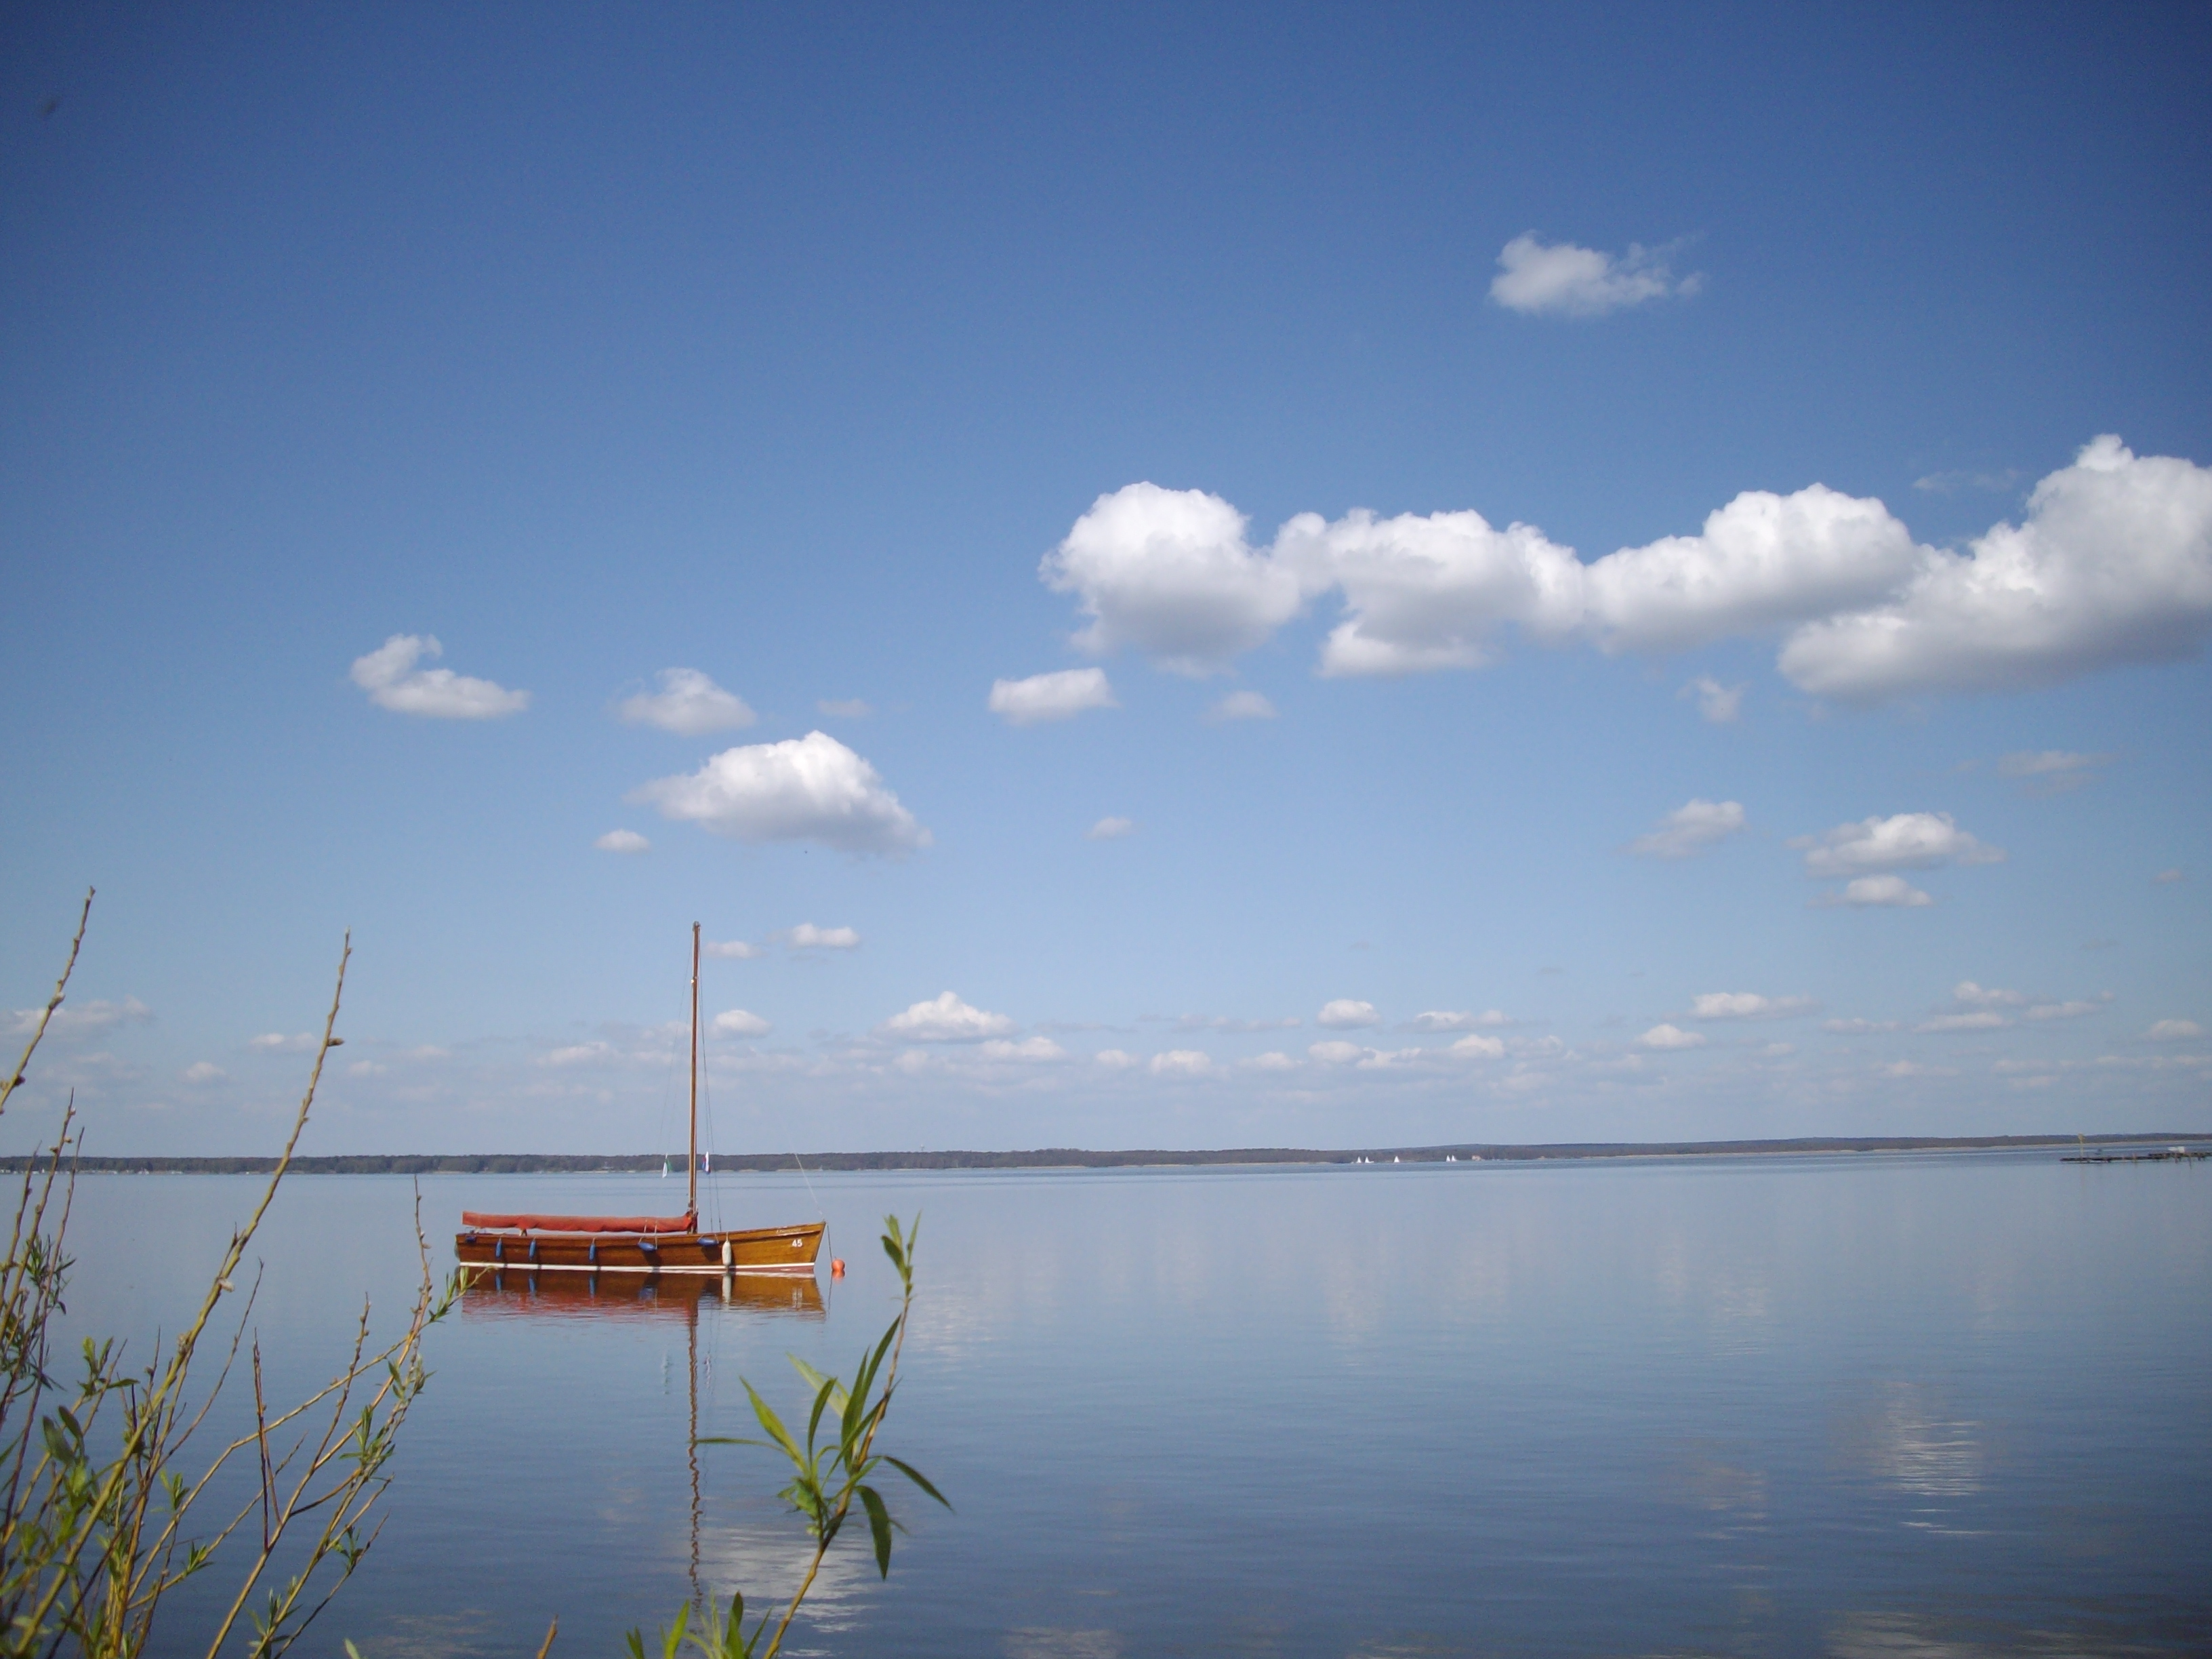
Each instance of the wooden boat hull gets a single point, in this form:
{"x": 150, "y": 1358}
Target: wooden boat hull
{"x": 746, "y": 1250}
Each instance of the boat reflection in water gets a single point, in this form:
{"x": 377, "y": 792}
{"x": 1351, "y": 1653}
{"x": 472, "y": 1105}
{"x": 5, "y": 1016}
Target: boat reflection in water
{"x": 517, "y": 1292}
{"x": 676, "y": 1298}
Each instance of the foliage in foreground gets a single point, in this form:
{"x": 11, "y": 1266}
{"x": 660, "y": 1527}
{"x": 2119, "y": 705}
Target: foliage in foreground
{"x": 829, "y": 1473}
{"x": 102, "y": 1510}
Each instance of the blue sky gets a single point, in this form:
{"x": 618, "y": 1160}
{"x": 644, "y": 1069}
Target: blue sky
{"x": 1742, "y": 672}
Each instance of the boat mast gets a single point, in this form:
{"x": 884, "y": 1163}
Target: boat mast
{"x": 691, "y": 1165}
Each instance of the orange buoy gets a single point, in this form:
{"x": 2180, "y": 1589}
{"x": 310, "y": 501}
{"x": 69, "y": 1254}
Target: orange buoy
{"x": 837, "y": 1266}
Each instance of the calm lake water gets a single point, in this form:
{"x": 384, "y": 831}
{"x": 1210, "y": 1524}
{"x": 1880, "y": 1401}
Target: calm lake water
{"x": 1949, "y": 1403}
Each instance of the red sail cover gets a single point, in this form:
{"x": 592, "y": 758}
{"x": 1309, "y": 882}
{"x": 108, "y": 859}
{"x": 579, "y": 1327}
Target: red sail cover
{"x": 584, "y": 1224}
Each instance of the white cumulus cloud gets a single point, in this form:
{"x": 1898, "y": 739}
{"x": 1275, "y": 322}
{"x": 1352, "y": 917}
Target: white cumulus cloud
{"x": 1971, "y": 995}
{"x": 946, "y": 1019}
{"x": 204, "y": 1071}
{"x": 1115, "y": 1060}
{"x": 276, "y": 1042}
{"x": 1670, "y": 1036}
{"x": 1110, "y": 829}
{"x": 1689, "y": 829}
{"x": 623, "y": 841}
{"x": 740, "y": 950}
{"x": 1273, "y": 1060}
{"x": 1425, "y": 594}
{"x": 2112, "y": 563}
{"x": 810, "y": 788}
{"x": 2174, "y": 1030}
{"x": 739, "y": 1022}
{"x": 1904, "y": 840}
{"x": 1477, "y": 1048}
{"x": 1345, "y": 1014}
{"x": 392, "y": 681}
{"x": 1762, "y": 562}
{"x": 1166, "y": 572}
{"x": 688, "y": 703}
{"x": 1747, "y": 1004}
{"x": 1558, "y": 279}
{"x": 1043, "y": 697}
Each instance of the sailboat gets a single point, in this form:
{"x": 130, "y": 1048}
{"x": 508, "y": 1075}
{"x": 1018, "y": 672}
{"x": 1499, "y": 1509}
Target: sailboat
{"x": 639, "y": 1244}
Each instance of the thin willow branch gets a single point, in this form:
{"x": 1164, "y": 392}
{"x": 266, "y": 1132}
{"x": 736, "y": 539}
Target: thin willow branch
{"x": 53, "y": 1002}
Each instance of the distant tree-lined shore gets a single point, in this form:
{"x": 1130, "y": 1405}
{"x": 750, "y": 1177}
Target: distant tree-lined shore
{"x": 1076, "y": 1158}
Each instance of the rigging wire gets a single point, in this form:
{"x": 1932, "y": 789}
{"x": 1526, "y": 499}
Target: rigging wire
{"x": 783, "y": 1130}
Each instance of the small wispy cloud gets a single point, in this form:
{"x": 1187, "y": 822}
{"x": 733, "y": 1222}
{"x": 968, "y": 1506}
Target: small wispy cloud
{"x": 1904, "y": 840}
{"x": 844, "y": 708}
{"x": 1111, "y": 829}
{"x": 82, "y": 1019}
{"x": 1043, "y": 697}
{"x": 1452, "y": 1019}
{"x": 1030, "y": 1051}
{"x": 1689, "y": 829}
{"x": 2074, "y": 1009}
{"x": 623, "y": 841}
{"x": 807, "y": 937}
{"x": 1747, "y": 1004}
{"x": 1241, "y": 706}
{"x": 2052, "y": 771}
{"x": 739, "y": 1022}
{"x": 1346, "y": 1014}
{"x": 1225, "y": 1022}
{"x": 1666, "y": 1037}
{"x": 736, "y": 949}
{"x": 1985, "y": 1019}
{"x": 1560, "y": 279}
{"x": 688, "y": 703}
{"x": 392, "y": 681}
{"x": 1182, "y": 1062}
{"x": 1876, "y": 892}
{"x": 1721, "y": 705}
